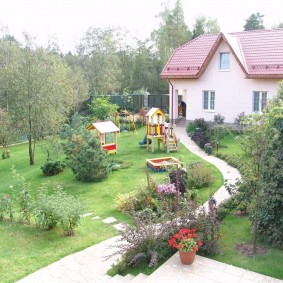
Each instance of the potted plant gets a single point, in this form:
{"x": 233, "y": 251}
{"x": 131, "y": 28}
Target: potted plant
{"x": 186, "y": 241}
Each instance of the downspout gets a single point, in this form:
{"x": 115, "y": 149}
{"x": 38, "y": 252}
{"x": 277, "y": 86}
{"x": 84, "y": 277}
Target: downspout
{"x": 172, "y": 107}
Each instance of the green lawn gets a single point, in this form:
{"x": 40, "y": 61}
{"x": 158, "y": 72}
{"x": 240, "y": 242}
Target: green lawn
{"x": 236, "y": 230}
{"x": 24, "y": 248}
{"x": 229, "y": 145}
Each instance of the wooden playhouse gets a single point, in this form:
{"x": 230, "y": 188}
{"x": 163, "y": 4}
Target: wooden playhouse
{"x": 106, "y": 133}
{"x": 158, "y": 129}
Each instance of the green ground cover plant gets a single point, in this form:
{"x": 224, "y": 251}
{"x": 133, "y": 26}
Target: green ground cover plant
{"x": 26, "y": 248}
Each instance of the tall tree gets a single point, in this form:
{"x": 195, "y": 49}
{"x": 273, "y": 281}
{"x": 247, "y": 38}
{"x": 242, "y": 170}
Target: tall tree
{"x": 41, "y": 88}
{"x": 98, "y": 50}
{"x": 255, "y": 21}
{"x": 204, "y": 26}
{"x": 172, "y": 31}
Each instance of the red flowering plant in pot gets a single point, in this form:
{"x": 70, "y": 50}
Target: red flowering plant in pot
{"x": 186, "y": 241}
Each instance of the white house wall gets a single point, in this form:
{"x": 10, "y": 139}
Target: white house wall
{"x": 233, "y": 92}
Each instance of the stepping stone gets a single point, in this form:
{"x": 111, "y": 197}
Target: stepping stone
{"x": 109, "y": 220}
{"x": 87, "y": 214}
{"x": 95, "y": 218}
{"x": 121, "y": 226}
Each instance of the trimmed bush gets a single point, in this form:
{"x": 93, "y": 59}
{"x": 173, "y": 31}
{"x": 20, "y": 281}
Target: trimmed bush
{"x": 51, "y": 168}
{"x": 199, "y": 175}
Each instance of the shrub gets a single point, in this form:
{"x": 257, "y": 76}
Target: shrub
{"x": 23, "y": 198}
{"x": 240, "y": 118}
{"x": 51, "y": 168}
{"x": 44, "y": 210}
{"x": 208, "y": 148}
{"x": 199, "y": 175}
{"x": 57, "y": 209}
{"x": 201, "y": 138}
{"x": 219, "y": 119}
{"x": 225, "y": 208}
{"x": 202, "y": 124}
{"x": 6, "y": 207}
{"x": 87, "y": 160}
{"x": 217, "y": 133}
{"x": 126, "y": 202}
{"x": 179, "y": 178}
{"x": 149, "y": 241}
{"x": 191, "y": 128}
{"x": 136, "y": 201}
{"x": 6, "y": 154}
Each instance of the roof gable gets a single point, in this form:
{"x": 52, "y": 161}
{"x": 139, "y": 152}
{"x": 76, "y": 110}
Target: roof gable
{"x": 104, "y": 127}
{"x": 259, "y": 53}
{"x": 154, "y": 111}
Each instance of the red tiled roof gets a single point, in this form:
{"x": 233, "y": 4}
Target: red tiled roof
{"x": 258, "y": 52}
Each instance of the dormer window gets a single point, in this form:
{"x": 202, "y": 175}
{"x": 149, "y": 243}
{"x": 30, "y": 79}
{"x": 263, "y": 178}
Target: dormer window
{"x": 224, "y": 61}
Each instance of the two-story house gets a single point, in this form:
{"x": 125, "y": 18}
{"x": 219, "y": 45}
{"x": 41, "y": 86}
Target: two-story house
{"x": 225, "y": 73}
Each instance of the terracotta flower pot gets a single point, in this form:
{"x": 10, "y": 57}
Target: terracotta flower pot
{"x": 187, "y": 257}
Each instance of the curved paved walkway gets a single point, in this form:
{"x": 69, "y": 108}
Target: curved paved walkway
{"x": 89, "y": 265}
{"x": 229, "y": 173}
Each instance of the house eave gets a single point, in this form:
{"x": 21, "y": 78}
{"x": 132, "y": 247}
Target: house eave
{"x": 264, "y": 76}
{"x": 168, "y": 77}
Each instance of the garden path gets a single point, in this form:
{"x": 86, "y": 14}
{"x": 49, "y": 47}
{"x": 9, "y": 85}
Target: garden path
{"x": 89, "y": 265}
{"x": 229, "y": 173}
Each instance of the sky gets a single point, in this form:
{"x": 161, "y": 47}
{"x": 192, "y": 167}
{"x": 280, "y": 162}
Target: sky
{"x": 66, "y": 21}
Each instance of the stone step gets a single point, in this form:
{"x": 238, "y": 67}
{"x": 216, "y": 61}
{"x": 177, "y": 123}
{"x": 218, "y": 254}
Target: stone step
{"x": 116, "y": 278}
{"x": 140, "y": 278}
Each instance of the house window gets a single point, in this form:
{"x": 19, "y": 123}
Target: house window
{"x": 208, "y": 100}
{"x": 224, "y": 62}
{"x": 259, "y": 100}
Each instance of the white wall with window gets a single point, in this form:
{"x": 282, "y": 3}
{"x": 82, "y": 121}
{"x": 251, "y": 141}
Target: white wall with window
{"x": 224, "y": 92}
{"x": 259, "y": 100}
{"x": 208, "y": 100}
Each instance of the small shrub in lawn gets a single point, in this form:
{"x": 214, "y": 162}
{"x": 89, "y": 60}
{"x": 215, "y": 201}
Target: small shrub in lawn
{"x": 23, "y": 198}
{"x": 219, "y": 119}
{"x": 6, "y": 207}
{"x": 5, "y": 153}
{"x": 199, "y": 175}
{"x": 51, "y": 168}
{"x": 68, "y": 213}
{"x": 57, "y": 209}
{"x": 225, "y": 208}
{"x": 45, "y": 210}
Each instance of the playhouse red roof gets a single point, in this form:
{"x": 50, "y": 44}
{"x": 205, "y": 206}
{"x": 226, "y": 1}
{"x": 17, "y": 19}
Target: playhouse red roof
{"x": 259, "y": 54}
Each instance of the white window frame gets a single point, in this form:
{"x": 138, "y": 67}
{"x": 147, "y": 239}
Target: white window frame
{"x": 223, "y": 67}
{"x": 208, "y": 100}
{"x": 259, "y": 101}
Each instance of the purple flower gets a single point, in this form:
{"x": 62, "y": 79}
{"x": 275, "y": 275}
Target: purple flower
{"x": 167, "y": 189}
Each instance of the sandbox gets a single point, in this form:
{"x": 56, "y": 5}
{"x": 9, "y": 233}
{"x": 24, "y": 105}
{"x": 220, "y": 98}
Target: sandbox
{"x": 162, "y": 163}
